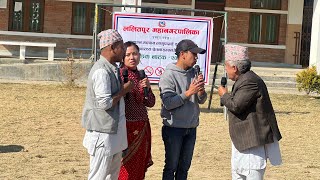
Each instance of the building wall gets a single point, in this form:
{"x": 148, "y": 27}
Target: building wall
{"x": 238, "y": 31}
{"x": 292, "y": 44}
{"x": 57, "y": 17}
{"x": 238, "y": 3}
{"x": 180, "y": 2}
{"x": 283, "y": 29}
{"x": 266, "y": 54}
{"x": 295, "y": 16}
{"x": 57, "y": 20}
{"x": 238, "y": 27}
{"x": 284, "y": 5}
{"x": 4, "y": 14}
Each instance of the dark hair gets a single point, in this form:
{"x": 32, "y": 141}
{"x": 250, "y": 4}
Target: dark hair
{"x": 126, "y": 45}
{"x": 130, "y": 43}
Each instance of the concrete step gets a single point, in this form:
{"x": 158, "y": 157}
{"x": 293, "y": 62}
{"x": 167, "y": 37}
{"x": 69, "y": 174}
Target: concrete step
{"x": 284, "y": 90}
{"x": 263, "y": 70}
{"x": 277, "y": 79}
{"x": 274, "y": 90}
{"x": 278, "y": 84}
{"x": 274, "y": 65}
{"x": 265, "y": 78}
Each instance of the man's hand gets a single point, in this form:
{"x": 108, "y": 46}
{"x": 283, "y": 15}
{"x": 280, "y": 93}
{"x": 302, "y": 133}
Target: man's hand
{"x": 222, "y": 90}
{"x": 195, "y": 87}
{"x": 127, "y": 87}
{"x": 200, "y": 78}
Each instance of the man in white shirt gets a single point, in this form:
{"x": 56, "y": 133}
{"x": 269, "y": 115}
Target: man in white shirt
{"x": 253, "y": 126}
{"x": 104, "y": 112}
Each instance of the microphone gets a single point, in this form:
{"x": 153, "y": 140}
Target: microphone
{"x": 197, "y": 70}
{"x": 223, "y": 84}
{"x": 125, "y": 75}
{"x": 142, "y": 75}
{"x": 125, "y": 78}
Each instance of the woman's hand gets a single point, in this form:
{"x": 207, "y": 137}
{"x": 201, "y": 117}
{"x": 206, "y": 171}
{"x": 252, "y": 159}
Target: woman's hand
{"x": 145, "y": 83}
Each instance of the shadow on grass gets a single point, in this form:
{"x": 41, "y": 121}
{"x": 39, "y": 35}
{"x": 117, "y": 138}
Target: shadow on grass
{"x": 202, "y": 110}
{"x": 290, "y": 112}
{"x": 211, "y": 110}
{"x": 11, "y": 148}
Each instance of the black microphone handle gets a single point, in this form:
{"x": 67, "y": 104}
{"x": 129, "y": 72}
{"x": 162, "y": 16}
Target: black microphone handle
{"x": 223, "y": 84}
{"x": 197, "y": 71}
{"x": 142, "y": 75}
{"x": 145, "y": 92}
{"x": 220, "y": 99}
{"x": 125, "y": 79}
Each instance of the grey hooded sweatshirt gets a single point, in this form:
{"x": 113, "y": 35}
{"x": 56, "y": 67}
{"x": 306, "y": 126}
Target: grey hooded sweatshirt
{"x": 177, "y": 110}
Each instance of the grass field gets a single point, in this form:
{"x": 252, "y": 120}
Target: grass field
{"x": 41, "y": 136}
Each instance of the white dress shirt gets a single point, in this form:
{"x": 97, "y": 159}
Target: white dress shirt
{"x": 113, "y": 143}
{"x": 255, "y": 158}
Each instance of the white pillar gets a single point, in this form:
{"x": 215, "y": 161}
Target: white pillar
{"x": 315, "y": 37}
{"x": 50, "y": 53}
{"x": 22, "y": 52}
{"x": 295, "y": 12}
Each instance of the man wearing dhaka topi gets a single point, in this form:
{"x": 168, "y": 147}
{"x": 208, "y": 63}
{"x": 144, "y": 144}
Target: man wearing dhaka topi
{"x": 253, "y": 126}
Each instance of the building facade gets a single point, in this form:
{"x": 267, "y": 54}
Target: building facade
{"x": 274, "y": 30}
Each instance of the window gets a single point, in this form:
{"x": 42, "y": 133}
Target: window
{"x": 155, "y": 10}
{"x": 264, "y": 28}
{"x": 26, "y": 15}
{"x": 155, "y": 1}
{"x": 214, "y": 1}
{"x": 83, "y": 18}
{"x": 266, "y": 4}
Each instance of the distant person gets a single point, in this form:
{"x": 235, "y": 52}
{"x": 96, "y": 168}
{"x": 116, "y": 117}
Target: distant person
{"x": 137, "y": 158}
{"x": 181, "y": 92}
{"x": 252, "y": 122}
{"x": 104, "y": 110}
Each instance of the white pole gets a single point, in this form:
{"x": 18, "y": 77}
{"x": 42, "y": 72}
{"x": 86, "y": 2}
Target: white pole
{"x": 315, "y": 37}
{"x": 95, "y": 29}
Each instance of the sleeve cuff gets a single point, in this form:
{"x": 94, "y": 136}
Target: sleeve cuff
{"x": 183, "y": 96}
{"x": 223, "y": 97}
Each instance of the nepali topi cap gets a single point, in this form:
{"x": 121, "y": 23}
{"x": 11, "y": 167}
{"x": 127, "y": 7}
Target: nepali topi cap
{"x": 235, "y": 52}
{"x": 109, "y": 37}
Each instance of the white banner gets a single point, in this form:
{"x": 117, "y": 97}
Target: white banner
{"x": 157, "y": 37}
